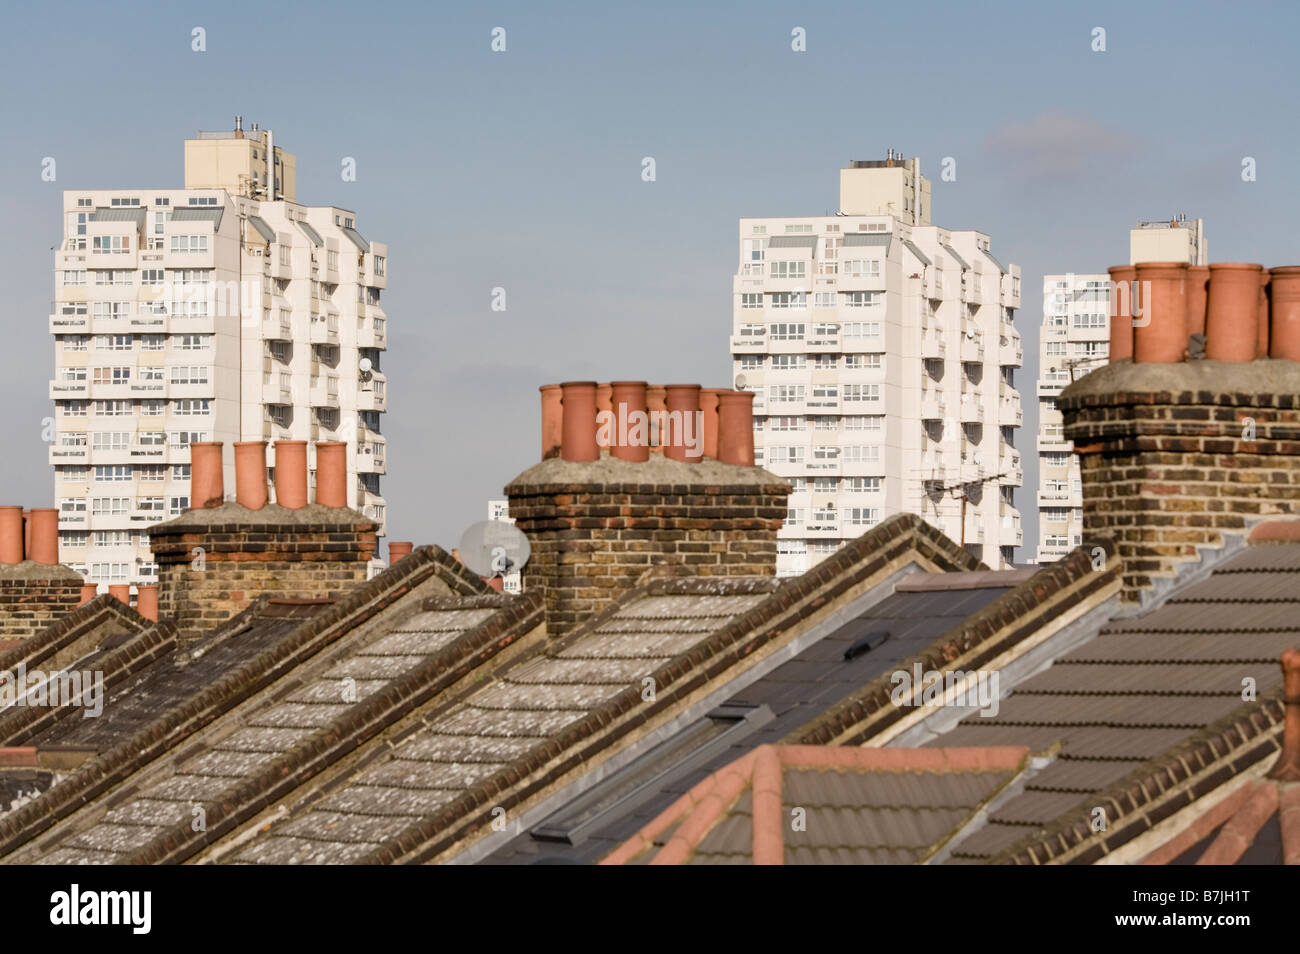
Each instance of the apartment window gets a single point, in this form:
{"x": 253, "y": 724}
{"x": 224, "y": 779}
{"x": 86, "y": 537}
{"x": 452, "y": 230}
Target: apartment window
{"x": 874, "y": 423}
{"x": 190, "y": 308}
{"x": 1091, "y": 349}
{"x": 72, "y": 375}
{"x": 150, "y": 504}
{"x": 191, "y": 342}
{"x": 751, "y": 362}
{"x": 113, "y": 276}
{"x": 824, "y": 422}
{"x": 824, "y": 362}
{"x": 73, "y": 408}
{"x": 861, "y": 329}
{"x": 1056, "y": 460}
{"x": 788, "y": 362}
{"x": 862, "y": 485}
{"x": 186, "y": 438}
{"x": 109, "y": 506}
{"x": 74, "y": 278}
{"x": 207, "y": 199}
{"x": 752, "y": 331}
{"x": 151, "y": 472}
{"x": 125, "y": 202}
{"x": 152, "y": 439}
{"x": 78, "y": 474}
{"x": 191, "y": 407}
{"x": 789, "y": 300}
{"x": 1056, "y": 514}
{"x": 112, "y": 538}
{"x": 191, "y": 276}
{"x": 787, "y": 332}
{"x": 151, "y": 374}
{"x": 108, "y": 572}
{"x": 72, "y": 439}
{"x": 332, "y": 260}
{"x": 861, "y": 268}
{"x": 785, "y": 455}
{"x": 112, "y": 408}
{"x": 75, "y": 342}
{"x": 1055, "y": 349}
{"x": 284, "y": 255}
{"x": 189, "y": 375}
{"x": 1090, "y": 321}
{"x": 751, "y": 300}
{"x": 786, "y": 393}
{"x": 868, "y": 454}
{"x": 862, "y": 361}
{"x": 189, "y": 244}
{"x": 824, "y": 300}
{"x": 380, "y": 264}
{"x": 794, "y": 515}
{"x": 113, "y": 472}
{"x": 1056, "y": 541}
{"x": 71, "y": 506}
{"x": 111, "y": 244}
{"x": 74, "y": 538}
{"x": 861, "y": 299}
{"x": 111, "y": 440}
{"x": 153, "y": 276}
{"x": 863, "y": 516}
{"x": 112, "y": 376}
{"x": 787, "y": 423}
{"x": 114, "y": 342}
{"x": 825, "y": 452}
{"x": 180, "y": 471}
{"x": 825, "y": 395}
{"x": 789, "y": 269}
{"x": 862, "y": 392}
{"x": 112, "y": 309}
{"x": 1054, "y": 432}
{"x": 177, "y": 505}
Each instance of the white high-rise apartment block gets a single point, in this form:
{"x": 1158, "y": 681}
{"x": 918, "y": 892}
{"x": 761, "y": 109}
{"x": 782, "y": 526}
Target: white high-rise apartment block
{"x": 881, "y": 350}
{"x": 213, "y": 312}
{"x": 1074, "y": 340}
{"x": 499, "y": 509}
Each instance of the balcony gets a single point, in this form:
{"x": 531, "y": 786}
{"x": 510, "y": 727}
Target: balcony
{"x": 932, "y": 407}
{"x": 372, "y": 398}
{"x": 1010, "y": 352}
{"x": 277, "y": 388}
{"x": 68, "y": 389}
{"x": 324, "y": 392}
{"x": 746, "y": 344}
{"x": 972, "y": 409}
{"x": 324, "y": 329}
{"x": 972, "y": 349}
{"x": 276, "y": 329}
{"x": 61, "y": 324}
{"x": 932, "y": 345}
{"x": 370, "y": 457}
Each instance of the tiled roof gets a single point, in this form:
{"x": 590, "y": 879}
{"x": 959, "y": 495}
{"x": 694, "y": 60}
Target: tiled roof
{"x": 923, "y": 607}
{"x": 813, "y": 804}
{"x": 174, "y": 694}
{"x": 1152, "y": 701}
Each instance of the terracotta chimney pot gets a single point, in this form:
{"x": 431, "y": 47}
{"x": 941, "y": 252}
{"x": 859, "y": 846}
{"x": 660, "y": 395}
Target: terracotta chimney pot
{"x": 1160, "y": 331}
{"x": 552, "y": 418}
{"x": 654, "y": 401}
{"x": 120, "y": 592}
{"x": 1287, "y": 766}
{"x": 206, "y": 482}
{"x": 332, "y": 473}
{"x": 1261, "y": 320}
{"x": 630, "y": 430}
{"x": 1198, "y": 289}
{"x": 683, "y": 403}
{"x": 709, "y": 406}
{"x": 11, "y": 534}
{"x": 1232, "y": 312}
{"x": 250, "y": 474}
{"x": 146, "y": 601}
{"x": 1121, "y": 319}
{"x": 291, "y": 474}
{"x": 578, "y": 424}
{"x": 1284, "y": 314}
{"x": 736, "y": 427}
{"x": 398, "y": 549}
{"x": 88, "y": 592}
{"x": 44, "y": 526}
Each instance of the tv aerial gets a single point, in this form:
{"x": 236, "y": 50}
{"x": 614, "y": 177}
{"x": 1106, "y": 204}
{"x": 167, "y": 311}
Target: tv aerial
{"x": 494, "y": 548}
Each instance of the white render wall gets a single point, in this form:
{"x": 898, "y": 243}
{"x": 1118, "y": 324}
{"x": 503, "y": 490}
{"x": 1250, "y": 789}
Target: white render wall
{"x": 846, "y": 405}
{"x": 1074, "y": 339}
{"x": 237, "y": 288}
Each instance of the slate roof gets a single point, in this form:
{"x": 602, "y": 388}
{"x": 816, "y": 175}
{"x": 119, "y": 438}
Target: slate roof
{"x": 827, "y": 805}
{"x": 764, "y": 712}
{"x": 1131, "y": 703}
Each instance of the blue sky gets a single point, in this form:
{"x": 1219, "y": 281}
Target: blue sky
{"x": 522, "y": 170}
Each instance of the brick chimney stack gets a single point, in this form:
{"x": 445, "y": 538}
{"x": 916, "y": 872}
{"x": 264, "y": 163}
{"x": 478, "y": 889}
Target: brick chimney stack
{"x": 633, "y": 485}
{"x": 1179, "y": 452}
{"x": 214, "y": 560}
{"x": 35, "y": 590}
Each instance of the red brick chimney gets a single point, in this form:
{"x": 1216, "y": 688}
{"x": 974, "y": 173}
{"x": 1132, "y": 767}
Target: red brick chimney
{"x": 214, "y": 561}
{"x": 1180, "y": 455}
{"x": 35, "y": 590}
{"x": 631, "y": 488}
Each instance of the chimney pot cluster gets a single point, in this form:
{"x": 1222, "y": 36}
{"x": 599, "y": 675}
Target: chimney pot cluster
{"x": 29, "y": 535}
{"x": 1243, "y": 310}
{"x": 206, "y": 488}
{"x": 633, "y": 419}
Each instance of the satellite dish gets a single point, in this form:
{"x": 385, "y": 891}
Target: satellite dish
{"x": 740, "y": 382}
{"x": 365, "y": 365}
{"x": 494, "y": 548}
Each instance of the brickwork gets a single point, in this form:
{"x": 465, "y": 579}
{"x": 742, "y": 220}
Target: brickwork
{"x": 1167, "y": 469}
{"x": 592, "y": 539}
{"x": 213, "y": 563}
{"x": 34, "y": 595}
